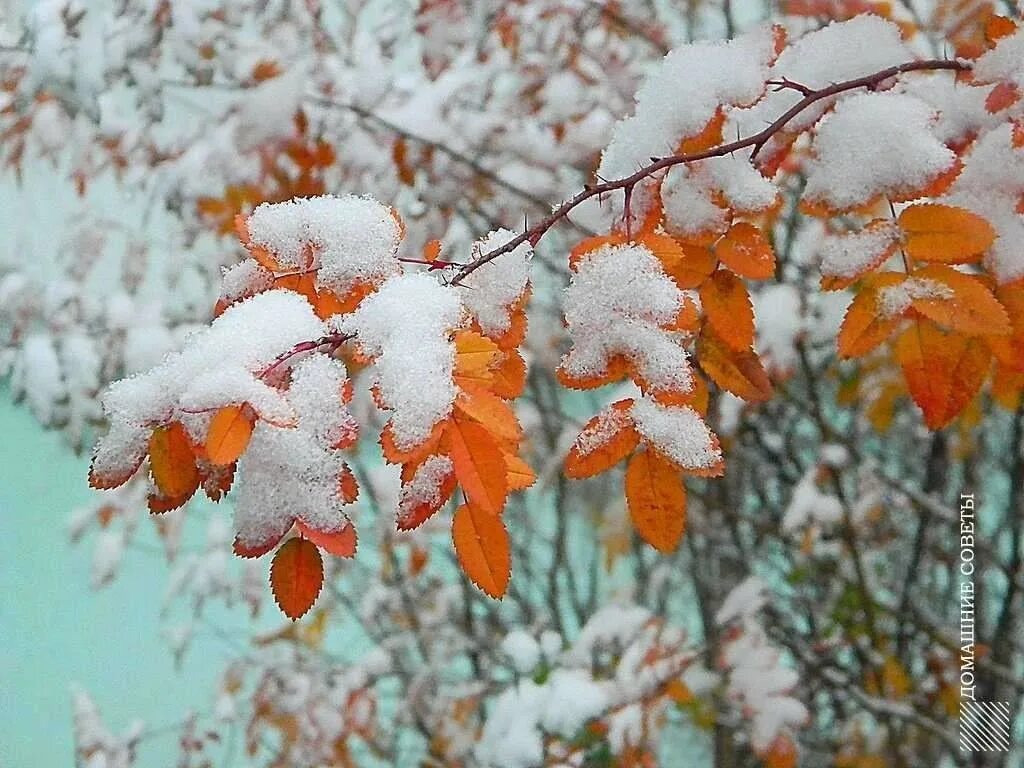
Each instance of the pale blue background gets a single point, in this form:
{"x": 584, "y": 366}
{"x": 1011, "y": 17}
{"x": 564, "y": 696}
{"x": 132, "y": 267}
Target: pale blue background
{"x": 55, "y": 631}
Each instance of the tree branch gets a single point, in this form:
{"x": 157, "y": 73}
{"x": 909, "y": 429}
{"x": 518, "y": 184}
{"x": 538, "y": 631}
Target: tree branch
{"x": 756, "y": 142}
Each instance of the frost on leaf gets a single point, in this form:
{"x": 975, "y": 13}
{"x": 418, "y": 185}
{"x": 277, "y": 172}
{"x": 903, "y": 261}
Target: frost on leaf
{"x": 680, "y": 434}
{"x": 353, "y": 240}
{"x": 701, "y": 77}
{"x": 406, "y": 328}
{"x": 874, "y": 144}
{"x": 492, "y": 291}
{"x": 621, "y": 305}
{"x": 290, "y": 474}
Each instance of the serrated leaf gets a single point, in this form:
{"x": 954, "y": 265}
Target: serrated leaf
{"x": 656, "y": 498}
{"x": 479, "y": 464}
{"x": 746, "y": 251}
{"x": 726, "y": 303}
{"x": 864, "y": 326}
{"x": 482, "y": 547}
{"x": 971, "y": 307}
{"x": 172, "y": 461}
{"x": 738, "y": 372}
{"x": 296, "y": 576}
{"x": 604, "y": 441}
{"x": 944, "y": 371}
{"x": 228, "y": 436}
{"x": 944, "y": 233}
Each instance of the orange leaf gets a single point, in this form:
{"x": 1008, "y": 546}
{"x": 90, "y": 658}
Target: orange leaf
{"x": 228, "y": 435}
{"x": 604, "y": 441}
{"x": 944, "y": 233}
{"x": 394, "y": 455}
{"x": 414, "y": 515}
{"x": 1009, "y": 350}
{"x": 474, "y": 356}
{"x": 656, "y": 498}
{"x": 338, "y": 543}
{"x": 746, "y": 251}
{"x": 172, "y": 461}
{"x": 727, "y": 305}
{"x": 479, "y": 465}
{"x": 971, "y": 308}
{"x": 864, "y": 327}
{"x": 296, "y": 576}
{"x": 492, "y": 412}
{"x": 944, "y": 371}
{"x": 509, "y": 376}
{"x": 738, "y": 372}
{"x": 520, "y": 475}
{"x": 1003, "y": 96}
{"x": 695, "y": 265}
{"x": 482, "y": 546}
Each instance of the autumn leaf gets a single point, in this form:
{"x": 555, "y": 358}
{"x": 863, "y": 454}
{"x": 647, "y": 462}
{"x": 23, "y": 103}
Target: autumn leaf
{"x": 172, "y": 461}
{"x": 509, "y": 376}
{"x": 944, "y": 371}
{"x": 482, "y": 546}
{"x": 970, "y": 308}
{"x": 415, "y": 514}
{"x": 395, "y": 455}
{"x": 656, "y": 499}
{"x": 520, "y": 475}
{"x": 745, "y": 250}
{"x": 695, "y": 265}
{"x": 479, "y": 465}
{"x": 296, "y": 576}
{"x": 228, "y": 435}
{"x": 943, "y": 233}
{"x": 738, "y": 372}
{"x": 604, "y": 441}
{"x": 492, "y": 412}
{"x": 1003, "y": 96}
{"x": 1009, "y": 350}
{"x": 726, "y": 303}
{"x": 341, "y": 543}
{"x": 474, "y": 356}
{"x": 865, "y": 326}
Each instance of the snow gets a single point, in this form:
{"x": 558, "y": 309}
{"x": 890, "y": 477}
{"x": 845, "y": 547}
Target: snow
{"x": 854, "y": 253}
{"x": 354, "y": 239}
{"x": 991, "y": 184}
{"x": 808, "y": 504}
{"x": 745, "y": 599}
{"x": 289, "y": 473}
{"x": 678, "y": 432}
{"x": 874, "y": 144}
{"x": 425, "y": 486}
{"x": 701, "y": 77}
{"x": 694, "y": 194}
{"x": 780, "y": 323}
{"x": 491, "y": 290}
{"x": 619, "y": 301}
{"x": 244, "y": 279}
{"x": 839, "y": 51}
{"x": 220, "y": 365}
{"x": 1005, "y": 62}
{"x": 894, "y": 300}
{"x": 39, "y": 376}
{"x": 522, "y": 650}
{"x": 406, "y": 326}
{"x": 607, "y": 423}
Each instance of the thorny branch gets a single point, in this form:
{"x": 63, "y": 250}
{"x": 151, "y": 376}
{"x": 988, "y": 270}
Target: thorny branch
{"x": 755, "y": 142}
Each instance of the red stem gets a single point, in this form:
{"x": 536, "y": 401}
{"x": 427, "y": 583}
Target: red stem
{"x": 755, "y": 141}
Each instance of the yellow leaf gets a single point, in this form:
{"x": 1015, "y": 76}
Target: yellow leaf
{"x": 943, "y": 233}
{"x": 970, "y": 307}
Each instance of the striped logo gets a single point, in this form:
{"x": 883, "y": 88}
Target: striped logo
{"x": 984, "y": 726}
